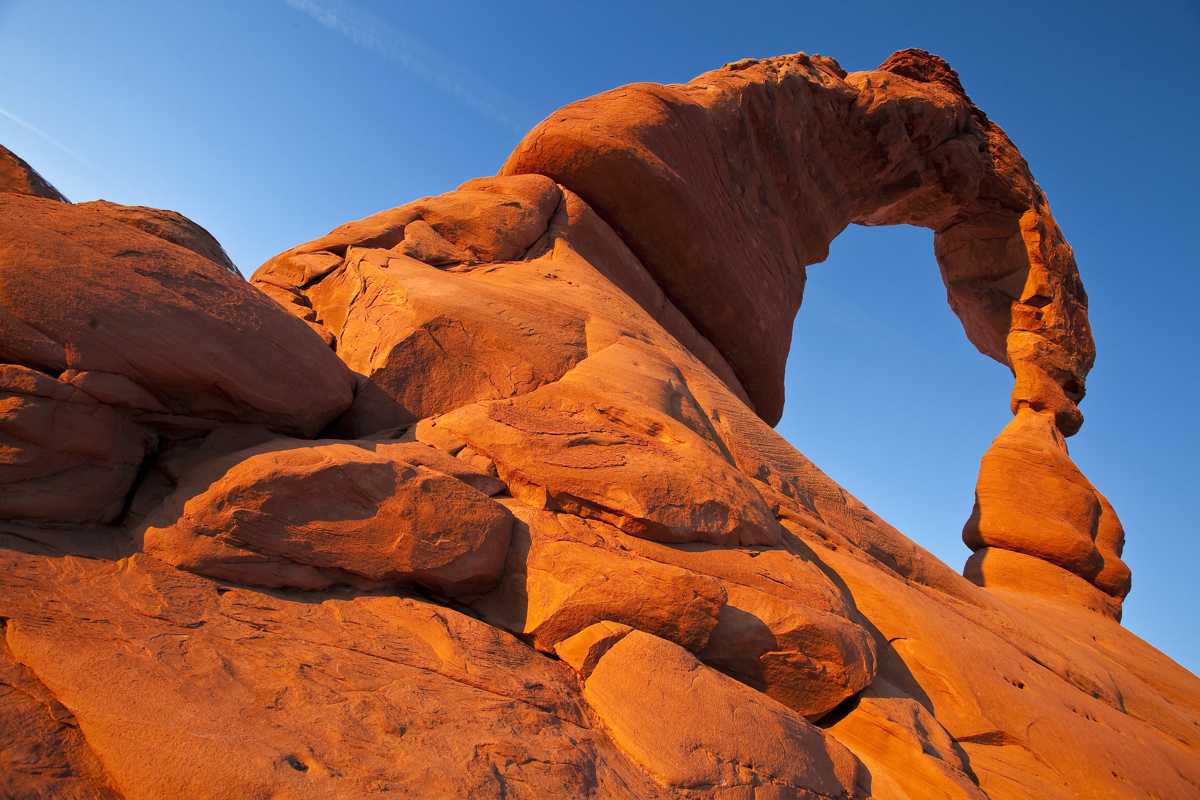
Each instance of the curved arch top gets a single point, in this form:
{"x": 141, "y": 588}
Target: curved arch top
{"x": 728, "y": 186}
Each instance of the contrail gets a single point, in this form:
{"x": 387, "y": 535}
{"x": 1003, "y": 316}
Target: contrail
{"x": 373, "y": 34}
{"x": 41, "y": 134}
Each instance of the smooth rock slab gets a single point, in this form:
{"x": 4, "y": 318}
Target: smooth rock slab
{"x": 702, "y": 734}
{"x": 18, "y": 177}
{"x": 910, "y": 755}
{"x": 168, "y": 225}
{"x": 42, "y": 752}
{"x": 183, "y": 688}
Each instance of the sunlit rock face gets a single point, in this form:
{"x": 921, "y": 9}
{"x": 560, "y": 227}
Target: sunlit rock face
{"x": 479, "y": 496}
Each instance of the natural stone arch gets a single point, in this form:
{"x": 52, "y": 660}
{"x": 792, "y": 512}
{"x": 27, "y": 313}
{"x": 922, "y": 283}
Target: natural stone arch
{"x": 729, "y": 186}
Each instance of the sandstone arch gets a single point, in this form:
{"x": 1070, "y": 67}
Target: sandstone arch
{"x": 729, "y": 186}
{"x": 686, "y": 606}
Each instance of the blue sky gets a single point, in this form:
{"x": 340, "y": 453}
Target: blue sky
{"x": 271, "y": 122}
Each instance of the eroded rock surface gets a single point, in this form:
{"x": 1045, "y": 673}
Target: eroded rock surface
{"x": 168, "y": 225}
{"x": 737, "y": 742}
{"x": 115, "y": 342}
{"x": 1031, "y": 499}
{"x": 477, "y": 496}
{"x": 305, "y": 515}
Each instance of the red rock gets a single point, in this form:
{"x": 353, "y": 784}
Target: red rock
{"x": 310, "y": 515}
{"x": 18, "y": 177}
{"x": 560, "y": 580}
{"x": 170, "y": 226}
{"x": 693, "y": 609}
{"x": 807, "y": 659}
{"x": 786, "y": 629}
{"x": 1005, "y": 570}
{"x": 186, "y": 688}
{"x": 64, "y": 457}
{"x": 583, "y": 650}
{"x": 909, "y": 755}
{"x": 1033, "y": 689}
{"x": 1114, "y": 577}
{"x": 482, "y": 328}
{"x": 186, "y": 331}
{"x": 645, "y": 689}
{"x": 575, "y": 446}
{"x": 811, "y": 149}
{"x": 1031, "y": 499}
{"x": 43, "y": 752}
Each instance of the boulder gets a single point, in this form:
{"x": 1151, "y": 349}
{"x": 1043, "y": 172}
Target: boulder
{"x": 376, "y": 290}
{"x": 786, "y": 629}
{"x": 807, "y": 659}
{"x": 477, "y": 317}
{"x": 583, "y": 650}
{"x": 64, "y": 456}
{"x": 700, "y": 734}
{"x": 309, "y": 515}
{"x": 560, "y": 579}
{"x": 392, "y": 317}
{"x": 629, "y": 459}
{"x": 81, "y": 291}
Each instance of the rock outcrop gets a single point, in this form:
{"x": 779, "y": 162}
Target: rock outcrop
{"x": 312, "y": 515}
{"x": 114, "y": 342}
{"x": 168, "y": 225}
{"x": 17, "y": 177}
{"x": 479, "y": 496}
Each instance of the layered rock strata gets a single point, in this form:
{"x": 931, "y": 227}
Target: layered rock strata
{"x": 478, "y": 496}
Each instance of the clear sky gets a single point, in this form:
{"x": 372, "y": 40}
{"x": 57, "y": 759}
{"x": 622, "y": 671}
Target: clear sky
{"x": 271, "y": 122}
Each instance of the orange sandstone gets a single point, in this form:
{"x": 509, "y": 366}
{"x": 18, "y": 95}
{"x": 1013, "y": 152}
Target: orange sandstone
{"x": 479, "y": 496}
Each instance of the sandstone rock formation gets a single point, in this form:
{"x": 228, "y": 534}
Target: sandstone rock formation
{"x": 169, "y": 225}
{"x": 18, "y": 177}
{"x": 1072, "y": 528}
{"x": 116, "y": 342}
{"x": 311, "y": 516}
{"x": 478, "y": 496}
